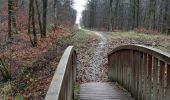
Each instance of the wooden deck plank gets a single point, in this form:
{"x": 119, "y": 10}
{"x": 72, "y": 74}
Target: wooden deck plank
{"x": 103, "y": 91}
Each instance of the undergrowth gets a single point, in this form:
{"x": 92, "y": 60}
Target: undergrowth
{"x": 4, "y": 71}
{"x": 77, "y": 39}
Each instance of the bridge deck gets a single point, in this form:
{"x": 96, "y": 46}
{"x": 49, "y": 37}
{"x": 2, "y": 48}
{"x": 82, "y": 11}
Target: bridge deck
{"x": 103, "y": 91}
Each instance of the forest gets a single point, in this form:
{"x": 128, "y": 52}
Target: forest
{"x": 35, "y": 33}
{"x": 150, "y": 16}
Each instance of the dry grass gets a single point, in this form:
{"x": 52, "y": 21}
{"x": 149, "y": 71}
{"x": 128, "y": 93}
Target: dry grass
{"x": 158, "y": 41}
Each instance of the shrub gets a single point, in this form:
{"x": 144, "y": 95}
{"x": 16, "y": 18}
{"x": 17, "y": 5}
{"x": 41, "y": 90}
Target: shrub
{"x": 4, "y": 71}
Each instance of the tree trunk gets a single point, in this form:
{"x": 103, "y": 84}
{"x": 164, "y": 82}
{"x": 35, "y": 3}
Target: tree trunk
{"x": 33, "y": 26}
{"x": 31, "y": 22}
{"x": 9, "y": 18}
{"x": 45, "y": 3}
{"x": 12, "y": 26}
{"x": 110, "y": 16}
{"x": 56, "y": 13}
{"x": 39, "y": 18}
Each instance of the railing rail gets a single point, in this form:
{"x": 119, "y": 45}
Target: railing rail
{"x": 61, "y": 87}
{"x": 143, "y": 71}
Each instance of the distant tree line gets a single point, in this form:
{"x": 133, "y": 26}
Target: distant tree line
{"x": 127, "y": 15}
{"x": 40, "y": 13}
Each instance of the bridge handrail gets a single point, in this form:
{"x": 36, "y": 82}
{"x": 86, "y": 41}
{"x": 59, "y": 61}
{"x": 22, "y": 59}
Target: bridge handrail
{"x": 61, "y": 87}
{"x": 144, "y": 71}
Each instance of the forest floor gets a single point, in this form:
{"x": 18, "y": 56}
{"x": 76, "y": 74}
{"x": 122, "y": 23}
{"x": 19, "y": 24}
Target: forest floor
{"x": 31, "y": 68}
{"x": 35, "y": 69}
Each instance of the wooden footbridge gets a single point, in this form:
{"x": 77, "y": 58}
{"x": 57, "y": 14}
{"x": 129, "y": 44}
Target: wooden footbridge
{"x": 143, "y": 72}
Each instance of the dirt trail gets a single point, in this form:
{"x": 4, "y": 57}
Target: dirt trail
{"x": 94, "y": 67}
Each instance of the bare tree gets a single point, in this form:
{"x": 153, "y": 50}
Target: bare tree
{"x": 31, "y": 24}
{"x": 12, "y": 27}
{"x": 45, "y": 3}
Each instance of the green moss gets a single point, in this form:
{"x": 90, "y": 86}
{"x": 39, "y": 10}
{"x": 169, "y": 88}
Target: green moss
{"x": 18, "y": 97}
{"x": 76, "y": 91}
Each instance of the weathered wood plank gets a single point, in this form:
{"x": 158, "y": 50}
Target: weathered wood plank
{"x": 103, "y": 91}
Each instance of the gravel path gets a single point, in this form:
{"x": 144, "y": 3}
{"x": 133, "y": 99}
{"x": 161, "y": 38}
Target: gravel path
{"x": 94, "y": 60}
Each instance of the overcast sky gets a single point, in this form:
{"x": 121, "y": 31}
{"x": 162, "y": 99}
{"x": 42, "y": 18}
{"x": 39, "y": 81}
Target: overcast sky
{"x": 79, "y": 6}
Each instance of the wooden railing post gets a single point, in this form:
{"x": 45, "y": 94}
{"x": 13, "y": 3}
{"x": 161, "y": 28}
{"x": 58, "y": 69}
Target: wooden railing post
{"x": 62, "y": 84}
